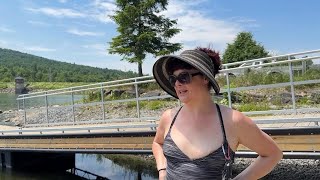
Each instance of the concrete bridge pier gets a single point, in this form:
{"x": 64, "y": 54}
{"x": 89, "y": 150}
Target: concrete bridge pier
{"x": 35, "y": 161}
{"x": 5, "y": 159}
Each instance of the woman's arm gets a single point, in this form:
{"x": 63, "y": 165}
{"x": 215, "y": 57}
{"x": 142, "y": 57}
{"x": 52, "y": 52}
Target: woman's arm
{"x": 250, "y": 135}
{"x": 158, "y": 142}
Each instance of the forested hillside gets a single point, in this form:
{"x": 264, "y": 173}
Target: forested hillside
{"x": 38, "y": 69}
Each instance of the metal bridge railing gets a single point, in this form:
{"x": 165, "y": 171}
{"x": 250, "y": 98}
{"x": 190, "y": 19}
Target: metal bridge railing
{"x": 85, "y": 174}
{"x": 50, "y": 114}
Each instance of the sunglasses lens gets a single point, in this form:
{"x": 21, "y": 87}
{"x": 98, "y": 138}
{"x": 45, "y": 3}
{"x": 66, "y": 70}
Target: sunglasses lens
{"x": 172, "y": 80}
{"x": 183, "y": 78}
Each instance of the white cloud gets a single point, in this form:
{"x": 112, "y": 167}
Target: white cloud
{"x": 199, "y": 29}
{"x": 56, "y": 12}
{"x": 100, "y": 49}
{"x": 94, "y": 46}
{"x": 39, "y": 23}
{"x": 84, "y": 33}
{"x": 245, "y": 22}
{"x": 39, "y": 49}
{"x": 5, "y": 29}
{"x": 97, "y": 10}
{"x": 110, "y": 62}
{"x": 85, "y": 24}
{"x": 102, "y": 9}
{"x": 63, "y": 1}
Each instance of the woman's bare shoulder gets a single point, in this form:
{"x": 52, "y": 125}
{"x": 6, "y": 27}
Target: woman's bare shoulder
{"x": 231, "y": 114}
{"x": 167, "y": 115}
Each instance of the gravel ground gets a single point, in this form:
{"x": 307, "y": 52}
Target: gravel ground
{"x": 63, "y": 114}
{"x": 288, "y": 169}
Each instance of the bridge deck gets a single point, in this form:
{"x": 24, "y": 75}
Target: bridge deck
{"x": 125, "y": 139}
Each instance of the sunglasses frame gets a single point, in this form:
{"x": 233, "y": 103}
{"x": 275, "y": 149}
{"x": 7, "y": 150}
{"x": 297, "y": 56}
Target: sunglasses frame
{"x": 183, "y": 78}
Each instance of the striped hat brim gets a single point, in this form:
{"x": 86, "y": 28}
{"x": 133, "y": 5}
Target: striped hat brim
{"x": 198, "y": 59}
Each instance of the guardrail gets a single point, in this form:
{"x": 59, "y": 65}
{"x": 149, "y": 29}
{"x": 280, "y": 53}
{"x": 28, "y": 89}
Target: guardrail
{"x": 100, "y": 88}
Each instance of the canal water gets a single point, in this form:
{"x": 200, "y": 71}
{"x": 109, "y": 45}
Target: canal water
{"x": 8, "y": 101}
{"x": 94, "y": 163}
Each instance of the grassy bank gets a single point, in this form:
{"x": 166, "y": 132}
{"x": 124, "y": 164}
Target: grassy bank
{"x": 135, "y": 163}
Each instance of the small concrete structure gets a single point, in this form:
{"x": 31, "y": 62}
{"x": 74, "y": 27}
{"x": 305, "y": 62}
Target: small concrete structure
{"x": 19, "y": 85}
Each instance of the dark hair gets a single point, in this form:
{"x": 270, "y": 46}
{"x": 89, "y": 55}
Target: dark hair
{"x": 215, "y": 58}
{"x": 175, "y": 64}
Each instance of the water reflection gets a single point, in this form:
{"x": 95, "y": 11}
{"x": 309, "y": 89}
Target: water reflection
{"x": 121, "y": 167}
{"x": 8, "y": 174}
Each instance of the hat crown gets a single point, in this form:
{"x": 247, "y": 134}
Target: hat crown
{"x": 200, "y": 56}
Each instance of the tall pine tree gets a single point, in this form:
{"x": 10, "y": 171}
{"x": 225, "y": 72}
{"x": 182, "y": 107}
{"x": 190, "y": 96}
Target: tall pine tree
{"x": 142, "y": 30}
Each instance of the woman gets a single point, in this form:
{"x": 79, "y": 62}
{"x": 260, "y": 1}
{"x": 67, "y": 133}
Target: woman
{"x": 198, "y": 140}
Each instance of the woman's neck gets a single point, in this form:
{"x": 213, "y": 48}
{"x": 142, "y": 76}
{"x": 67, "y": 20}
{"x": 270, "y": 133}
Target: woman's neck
{"x": 200, "y": 106}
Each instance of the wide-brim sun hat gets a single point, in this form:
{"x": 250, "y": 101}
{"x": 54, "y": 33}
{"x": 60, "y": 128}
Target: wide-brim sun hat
{"x": 196, "y": 58}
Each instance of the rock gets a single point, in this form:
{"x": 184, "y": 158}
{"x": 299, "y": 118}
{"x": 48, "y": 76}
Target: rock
{"x": 283, "y": 98}
{"x": 1, "y": 111}
{"x": 117, "y": 92}
{"x": 151, "y": 94}
{"x": 129, "y": 94}
{"x": 315, "y": 97}
{"x": 17, "y": 124}
{"x": 107, "y": 92}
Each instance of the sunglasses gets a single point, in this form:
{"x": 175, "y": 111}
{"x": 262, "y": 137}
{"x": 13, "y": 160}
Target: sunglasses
{"x": 183, "y": 78}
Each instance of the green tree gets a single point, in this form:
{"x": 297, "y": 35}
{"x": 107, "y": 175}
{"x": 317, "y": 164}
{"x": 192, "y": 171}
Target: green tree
{"x": 142, "y": 30}
{"x": 243, "y": 48}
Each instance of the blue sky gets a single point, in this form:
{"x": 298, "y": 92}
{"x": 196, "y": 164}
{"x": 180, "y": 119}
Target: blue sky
{"x": 78, "y": 31}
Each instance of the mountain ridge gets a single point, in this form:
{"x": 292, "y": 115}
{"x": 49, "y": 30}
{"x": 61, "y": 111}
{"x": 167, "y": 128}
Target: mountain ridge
{"x": 39, "y": 69}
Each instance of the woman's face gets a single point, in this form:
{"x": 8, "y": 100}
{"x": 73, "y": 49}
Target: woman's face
{"x": 188, "y": 83}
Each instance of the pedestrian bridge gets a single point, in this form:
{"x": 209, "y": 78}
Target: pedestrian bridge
{"x": 121, "y": 116}
{"x": 303, "y": 142}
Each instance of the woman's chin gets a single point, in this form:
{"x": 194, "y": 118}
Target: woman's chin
{"x": 184, "y": 99}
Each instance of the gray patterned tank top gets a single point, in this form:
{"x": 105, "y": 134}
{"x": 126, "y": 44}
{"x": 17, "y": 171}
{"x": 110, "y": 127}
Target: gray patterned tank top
{"x": 180, "y": 166}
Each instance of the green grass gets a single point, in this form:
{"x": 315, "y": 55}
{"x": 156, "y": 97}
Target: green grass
{"x": 5, "y": 85}
{"x": 149, "y": 105}
{"x": 253, "y": 107}
{"x": 54, "y": 85}
{"x": 253, "y": 78}
{"x": 43, "y": 85}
